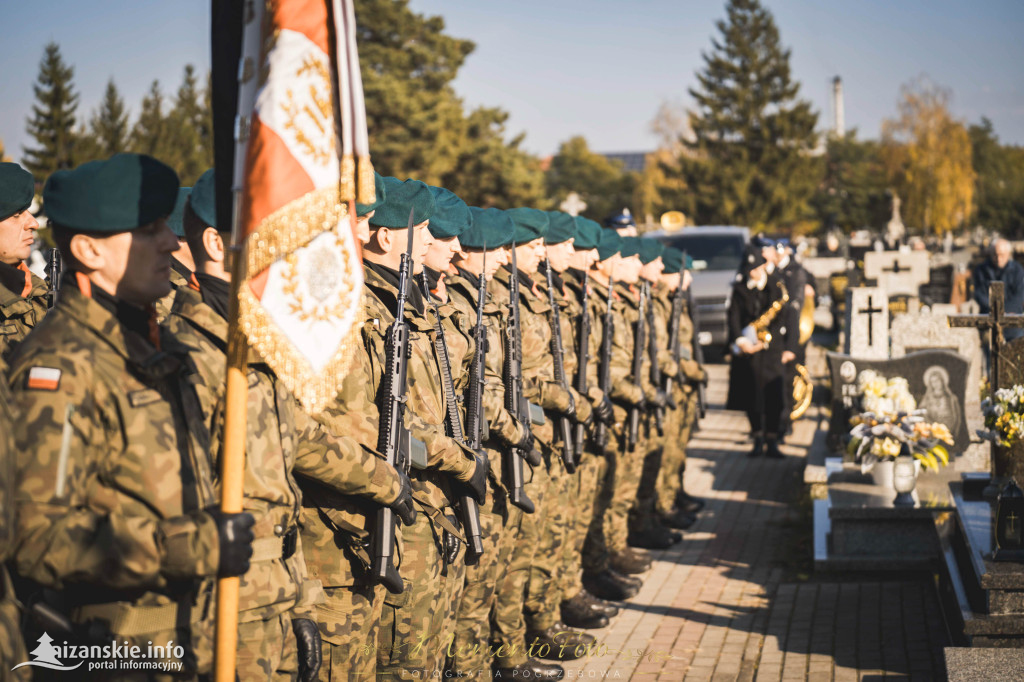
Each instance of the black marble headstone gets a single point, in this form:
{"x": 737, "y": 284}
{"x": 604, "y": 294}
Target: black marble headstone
{"x": 941, "y": 391}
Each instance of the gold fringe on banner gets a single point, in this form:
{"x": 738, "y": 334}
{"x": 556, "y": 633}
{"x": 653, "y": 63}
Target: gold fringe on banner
{"x": 347, "y": 181}
{"x": 365, "y": 194}
{"x": 293, "y": 226}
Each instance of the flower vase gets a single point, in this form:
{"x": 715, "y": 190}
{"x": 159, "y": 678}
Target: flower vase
{"x": 904, "y": 476}
{"x": 882, "y": 473}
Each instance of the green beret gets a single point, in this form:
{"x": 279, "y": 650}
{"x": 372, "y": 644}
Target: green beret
{"x": 588, "y": 232}
{"x": 378, "y": 191}
{"x": 531, "y": 223}
{"x": 630, "y": 247}
{"x": 609, "y": 243}
{"x": 491, "y": 228}
{"x": 688, "y": 262}
{"x": 673, "y": 260}
{"x": 176, "y": 221}
{"x": 122, "y": 193}
{"x": 203, "y": 199}
{"x": 451, "y": 215}
{"x": 561, "y": 228}
{"x": 649, "y": 250}
{"x": 400, "y": 198}
{"x": 16, "y": 189}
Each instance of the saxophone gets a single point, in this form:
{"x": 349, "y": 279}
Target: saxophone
{"x": 757, "y": 331}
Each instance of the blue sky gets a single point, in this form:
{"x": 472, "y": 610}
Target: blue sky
{"x": 599, "y": 68}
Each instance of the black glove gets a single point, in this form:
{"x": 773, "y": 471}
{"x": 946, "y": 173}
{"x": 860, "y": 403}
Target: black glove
{"x": 403, "y": 505}
{"x": 234, "y": 535}
{"x": 478, "y": 483}
{"x": 588, "y": 421}
{"x": 533, "y": 456}
{"x": 526, "y": 442}
{"x": 310, "y": 648}
{"x": 660, "y": 398}
{"x": 604, "y": 410}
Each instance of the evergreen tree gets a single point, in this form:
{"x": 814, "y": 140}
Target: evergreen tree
{"x": 183, "y": 127}
{"x": 751, "y": 162}
{"x": 150, "y": 134}
{"x": 999, "y": 191}
{"x": 3, "y": 152}
{"x": 600, "y": 182}
{"x": 109, "y": 125}
{"x": 853, "y": 193}
{"x": 53, "y": 116}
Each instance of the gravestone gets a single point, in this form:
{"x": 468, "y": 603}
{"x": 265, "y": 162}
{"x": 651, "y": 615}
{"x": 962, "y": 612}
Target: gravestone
{"x": 931, "y": 331}
{"x": 867, "y": 323}
{"x": 897, "y": 272}
{"x": 573, "y": 204}
{"x": 937, "y": 379}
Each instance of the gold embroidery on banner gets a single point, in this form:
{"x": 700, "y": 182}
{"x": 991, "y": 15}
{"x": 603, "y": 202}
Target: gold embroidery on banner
{"x": 317, "y": 110}
{"x": 366, "y": 193}
{"x": 335, "y": 283}
{"x": 294, "y": 225}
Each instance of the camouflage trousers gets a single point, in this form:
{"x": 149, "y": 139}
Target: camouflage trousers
{"x": 624, "y": 471}
{"x": 582, "y": 499}
{"x": 12, "y": 647}
{"x": 349, "y": 619}
{"x": 509, "y": 632}
{"x": 543, "y": 589}
{"x": 417, "y": 625}
{"x": 678, "y": 427}
{"x": 470, "y": 656}
{"x": 267, "y": 649}
{"x": 642, "y": 514}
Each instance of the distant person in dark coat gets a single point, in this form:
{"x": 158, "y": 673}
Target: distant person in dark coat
{"x": 1000, "y": 267}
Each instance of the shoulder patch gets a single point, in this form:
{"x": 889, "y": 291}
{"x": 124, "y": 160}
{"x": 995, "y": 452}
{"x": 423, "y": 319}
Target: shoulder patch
{"x": 43, "y": 379}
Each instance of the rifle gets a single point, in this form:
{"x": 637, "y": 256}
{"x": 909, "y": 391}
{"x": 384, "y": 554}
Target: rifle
{"x": 698, "y": 351}
{"x": 393, "y": 439}
{"x": 468, "y": 508}
{"x": 562, "y": 423}
{"x": 673, "y": 332}
{"x": 515, "y": 402}
{"x": 477, "y": 382}
{"x": 582, "y": 356}
{"x": 604, "y": 378}
{"x": 54, "y": 271}
{"x": 652, "y": 350}
{"x": 639, "y": 338}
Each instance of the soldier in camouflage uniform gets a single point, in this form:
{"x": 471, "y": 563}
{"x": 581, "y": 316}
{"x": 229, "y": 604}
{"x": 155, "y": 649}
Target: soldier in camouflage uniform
{"x": 580, "y": 608}
{"x": 417, "y": 624}
{"x": 12, "y": 647}
{"x": 521, "y": 622}
{"x": 675, "y": 506}
{"x": 606, "y": 554}
{"x": 23, "y": 296}
{"x": 646, "y": 527}
{"x": 115, "y": 496}
{"x": 276, "y": 616}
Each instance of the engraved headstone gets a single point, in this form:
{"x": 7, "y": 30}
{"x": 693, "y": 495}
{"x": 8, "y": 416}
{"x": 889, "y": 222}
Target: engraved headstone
{"x": 867, "y": 323}
{"x": 897, "y": 272}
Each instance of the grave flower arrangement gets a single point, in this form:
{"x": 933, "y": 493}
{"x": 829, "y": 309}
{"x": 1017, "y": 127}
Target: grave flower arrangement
{"x": 889, "y": 419}
{"x": 1004, "y": 416}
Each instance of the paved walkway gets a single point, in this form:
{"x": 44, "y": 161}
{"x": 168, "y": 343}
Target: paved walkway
{"x": 728, "y": 602}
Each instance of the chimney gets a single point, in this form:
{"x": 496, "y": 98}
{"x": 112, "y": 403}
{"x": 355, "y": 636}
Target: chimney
{"x": 839, "y": 120}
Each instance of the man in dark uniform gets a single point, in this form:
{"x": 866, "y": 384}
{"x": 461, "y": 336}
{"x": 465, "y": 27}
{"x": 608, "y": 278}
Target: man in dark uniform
{"x": 762, "y": 335}
{"x": 23, "y": 296}
{"x": 799, "y": 284}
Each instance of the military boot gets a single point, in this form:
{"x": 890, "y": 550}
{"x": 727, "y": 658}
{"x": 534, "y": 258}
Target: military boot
{"x": 628, "y": 563}
{"x": 688, "y": 502}
{"x": 578, "y": 613}
{"x": 609, "y": 585}
{"x": 533, "y": 669}
{"x": 559, "y": 643}
{"x": 598, "y": 604}
{"x": 772, "y": 448}
{"x": 758, "y": 448}
{"x": 650, "y": 537}
{"x": 678, "y": 518}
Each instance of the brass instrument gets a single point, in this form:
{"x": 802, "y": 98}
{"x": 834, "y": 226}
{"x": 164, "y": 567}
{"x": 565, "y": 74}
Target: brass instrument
{"x": 758, "y": 329}
{"x": 803, "y": 390}
{"x": 806, "y": 320}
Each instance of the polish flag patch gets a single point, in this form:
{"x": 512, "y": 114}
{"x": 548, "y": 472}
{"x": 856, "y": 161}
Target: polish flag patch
{"x": 43, "y": 378}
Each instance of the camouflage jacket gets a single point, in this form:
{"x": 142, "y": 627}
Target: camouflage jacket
{"x": 181, "y": 278}
{"x": 501, "y": 429}
{"x": 280, "y": 437}
{"x": 24, "y": 299}
{"x": 661, "y": 309}
{"x": 688, "y": 369}
{"x": 425, "y": 412}
{"x": 113, "y": 474}
{"x": 7, "y": 467}
{"x": 569, "y": 308}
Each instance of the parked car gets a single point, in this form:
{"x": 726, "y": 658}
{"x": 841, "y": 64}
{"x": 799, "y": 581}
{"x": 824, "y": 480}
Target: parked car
{"x": 716, "y": 251}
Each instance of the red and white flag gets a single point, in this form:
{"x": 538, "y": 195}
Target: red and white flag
{"x": 305, "y": 163}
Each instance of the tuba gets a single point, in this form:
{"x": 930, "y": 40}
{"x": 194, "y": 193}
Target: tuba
{"x": 803, "y": 391}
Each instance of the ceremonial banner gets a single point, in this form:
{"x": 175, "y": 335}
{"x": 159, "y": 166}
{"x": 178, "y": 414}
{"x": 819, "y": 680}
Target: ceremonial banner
{"x": 307, "y": 161}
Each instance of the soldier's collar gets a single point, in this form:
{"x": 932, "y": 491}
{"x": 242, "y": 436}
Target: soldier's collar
{"x": 16, "y": 281}
{"x": 384, "y": 281}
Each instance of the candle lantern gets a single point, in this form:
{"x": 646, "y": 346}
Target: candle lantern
{"x": 1010, "y": 524}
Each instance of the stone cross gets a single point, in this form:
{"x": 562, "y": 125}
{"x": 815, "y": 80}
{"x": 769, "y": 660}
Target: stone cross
{"x": 573, "y": 204}
{"x": 870, "y": 311}
{"x": 995, "y": 322}
{"x": 867, "y": 323}
{"x": 897, "y": 273}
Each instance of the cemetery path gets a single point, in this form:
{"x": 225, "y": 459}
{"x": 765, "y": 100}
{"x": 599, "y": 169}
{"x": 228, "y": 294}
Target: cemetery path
{"x": 735, "y": 601}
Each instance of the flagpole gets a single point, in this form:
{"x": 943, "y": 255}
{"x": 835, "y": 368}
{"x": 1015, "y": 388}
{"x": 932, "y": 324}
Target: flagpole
{"x": 232, "y": 474}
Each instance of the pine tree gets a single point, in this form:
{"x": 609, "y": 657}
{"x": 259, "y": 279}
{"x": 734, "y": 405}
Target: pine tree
{"x": 150, "y": 133}
{"x": 854, "y": 193}
{"x": 751, "y": 162}
{"x": 109, "y": 125}
{"x": 1000, "y": 187}
{"x": 53, "y": 116}
{"x": 183, "y": 128}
